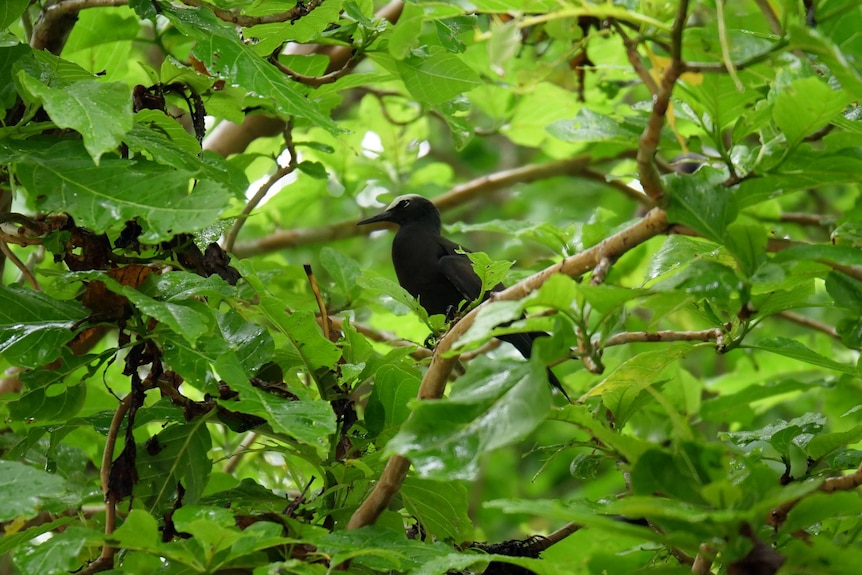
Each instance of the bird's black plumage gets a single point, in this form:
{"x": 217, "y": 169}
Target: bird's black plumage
{"x": 430, "y": 268}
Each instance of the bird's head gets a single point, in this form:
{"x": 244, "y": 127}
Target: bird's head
{"x": 409, "y": 209}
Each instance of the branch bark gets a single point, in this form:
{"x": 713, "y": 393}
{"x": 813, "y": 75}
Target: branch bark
{"x": 456, "y": 196}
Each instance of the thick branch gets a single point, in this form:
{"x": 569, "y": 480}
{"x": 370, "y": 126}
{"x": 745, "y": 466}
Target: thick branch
{"x": 434, "y": 381}
{"x": 56, "y": 21}
{"x": 458, "y": 195}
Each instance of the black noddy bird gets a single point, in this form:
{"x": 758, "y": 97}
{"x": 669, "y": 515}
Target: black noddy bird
{"x": 430, "y": 268}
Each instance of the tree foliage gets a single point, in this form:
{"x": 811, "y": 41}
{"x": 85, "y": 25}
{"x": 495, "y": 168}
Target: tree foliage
{"x": 211, "y": 369}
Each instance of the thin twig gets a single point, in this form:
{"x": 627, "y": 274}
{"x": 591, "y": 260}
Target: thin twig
{"x": 313, "y": 81}
{"x": 559, "y": 535}
{"x": 616, "y": 184}
{"x": 280, "y": 173}
{"x": 778, "y": 515}
{"x": 662, "y": 336}
{"x": 318, "y": 296}
{"x": 810, "y": 323}
{"x": 241, "y": 450}
{"x": 388, "y": 338}
{"x": 769, "y": 15}
{"x": 635, "y": 59}
{"x": 649, "y": 140}
{"x": 25, "y": 271}
{"x": 301, "y": 9}
{"x": 725, "y": 45}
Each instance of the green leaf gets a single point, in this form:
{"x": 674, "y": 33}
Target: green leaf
{"x": 379, "y": 549}
{"x": 77, "y": 106}
{"x": 844, "y": 255}
{"x": 179, "y": 453}
{"x": 489, "y": 271}
{"x": 344, "y": 270}
{"x": 811, "y": 40}
{"x": 503, "y": 45}
{"x": 676, "y": 252}
{"x": 27, "y": 490}
{"x": 594, "y": 127}
{"x": 394, "y": 388}
{"x": 9, "y": 56}
{"x": 63, "y": 178}
{"x": 819, "y": 507}
{"x": 491, "y": 315}
{"x": 223, "y": 53}
{"x": 11, "y": 11}
{"x": 309, "y": 422}
{"x": 57, "y": 556}
{"x": 183, "y": 320}
{"x": 493, "y": 404}
{"x": 747, "y": 243}
{"x": 440, "y": 506}
{"x": 846, "y": 291}
{"x": 12, "y": 539}
{"x": 825, "y": 443}
{"x": 795, "y": 350}
{"x": 51, "y": 404}
{"x": 717, "y": 100}
{"x": 620, "y": 389}
{"x": 437, "y": 77}
{"x": 406, "y": 33}
{"x": 732, "y": 407}
{"x": 396, "y": 292}
{"x": 701, "y": 202}
{"x": 680, "y": 474}
{"x": 580, "y": 415}
{"x": 34, "y": 326}
{"x": 805, "y": 105}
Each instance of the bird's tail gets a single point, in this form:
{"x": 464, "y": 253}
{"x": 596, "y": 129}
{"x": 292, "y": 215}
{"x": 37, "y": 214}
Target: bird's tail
{"x": 523, "y": 342}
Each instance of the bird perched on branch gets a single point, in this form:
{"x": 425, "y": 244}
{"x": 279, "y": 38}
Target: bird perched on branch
{"x": 431, "y": 268}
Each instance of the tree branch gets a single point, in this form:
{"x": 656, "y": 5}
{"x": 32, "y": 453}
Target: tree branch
{"x": 663, "y": 336}
{"x": 434, "y": 381}
{"x": 648, "y": 142}
{"x": 56, "y": 21}
{"x": 458, "y": 195}
{"x": 313, "y": 81}
{"x": 228, "y": 138}
{"x": 301, "y": 9}
{"x": 280, "y": 172}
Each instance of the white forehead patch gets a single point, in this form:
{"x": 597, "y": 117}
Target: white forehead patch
{"x": 400, "y": 199}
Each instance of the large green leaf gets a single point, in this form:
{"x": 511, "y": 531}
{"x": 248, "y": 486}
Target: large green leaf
{"x": 441, "y": 507}
{"x": 701, "y": 202}
{"x": 805, "y": 105}
{"x": 795, "y": 350}
{"x": 495, "y": 403}
{"x": 437, "y": 76}
{"x": 28, "y": 491}
{"x": 63, "y": 178}
{"x": 77, "y": 106}
{"x": 34, "y": 326}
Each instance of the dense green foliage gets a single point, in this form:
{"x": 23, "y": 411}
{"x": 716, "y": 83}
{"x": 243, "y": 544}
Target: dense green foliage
{"x": 176, "y": 401}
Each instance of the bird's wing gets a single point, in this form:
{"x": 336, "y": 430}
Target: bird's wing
{"x": 458, "y": 269}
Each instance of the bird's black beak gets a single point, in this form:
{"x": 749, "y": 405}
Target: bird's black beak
{"x": 381, "y": 217}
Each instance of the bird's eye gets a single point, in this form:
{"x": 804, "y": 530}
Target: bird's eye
{"x": 403, "y": 203}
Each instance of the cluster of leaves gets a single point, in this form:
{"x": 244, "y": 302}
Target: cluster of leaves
{"x": 176, "y": 406}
